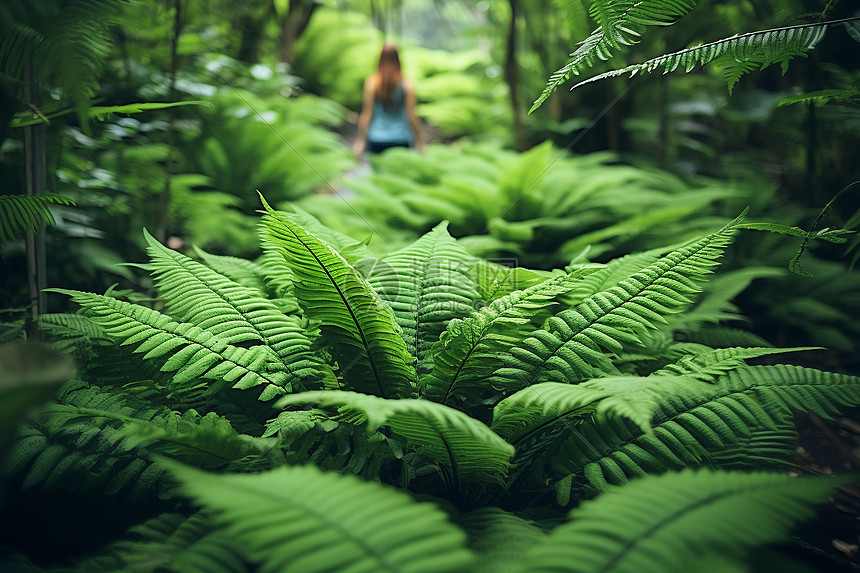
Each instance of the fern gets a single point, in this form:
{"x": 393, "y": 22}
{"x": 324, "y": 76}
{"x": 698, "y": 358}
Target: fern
{"x": 186, "y": 349}
{"x": 359, "y": 327}
{"x": 710, "y": 365}
{"x": 426, "y": 284}
{"x": 622, "y": 23}
{"x": 170, "y": 542}
{"x": 737, "y": 55}
{"x": 467, "y": 352}
{"x": 660, "y": 524}
{"x": 499, "y": 538}
{"x": 71, "y": 454}
{"x": 20, "y": 213}
{"x": 571, "y": 345}
{"x": 239, "y": 316}
{"x": 301, "y": 519}
{"x": 463, "y": 444}
{"x": 67, "y": 43}
{"x": 696, "y": 424}
{"x": 208, "y": 442}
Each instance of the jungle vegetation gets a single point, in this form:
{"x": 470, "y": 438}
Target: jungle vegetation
{"x": 588, "y": 336}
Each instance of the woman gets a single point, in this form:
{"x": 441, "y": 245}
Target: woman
{"x": 388, "y": 112}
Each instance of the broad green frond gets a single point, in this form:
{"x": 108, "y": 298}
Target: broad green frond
{"x": 71, "y": 325}
{"x": 572, "y": 343}
{"x": 710, "y": 365}
{"x": 67, "y": 42}
{"x": 499, "y": 538}
{"x": 207, "y": 442}
{"x": 533, "y": 410}
{"x": 189, "y": 351}
{"x": 495, "y": 280}
{"x": 469, "y": 448}
{"x": 673, "y": 522}
{"x": 427, "y": 284}
{"x": 20, "y": 213}
{"x": 359, "y": 327}
{"x": 65, "y": 453}
{"x": 737, "y": 55}
{"x": 312, "y": 436}
{"x": 850, "y": 95}
{"x": 242, "y": 271}
{"x": 170, "y": 542}
{"x": 467, "y": 352}
{"x": 299, "y": 519}
{"x": 622, "y": 23}
{"x": 697, "y": 424}
{"x": 237, "y": 315}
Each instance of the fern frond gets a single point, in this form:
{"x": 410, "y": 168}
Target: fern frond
{"x": 674, "y": 522}
{"x": 709, "y": 366}
{"x": 312, "y": 436}
{"x": 572, "y": 343}
{"x": 209, "y": 442}
{"x": 427, "y": 284}
{"x": 469, "y": 448}
{"x": 622, "y": 23}
{"x": 738, "y": 55}
{"x": 622, "y": 397}
{"x": 499, "y": 538}
{"x": 237, "y": 315}
{"x": 358, "y": 325}
{"x": 170, "y": 542}
{"x": 242, "y": 271}
{"x": 299, "y": 519}
{"x": 60, "y": 453}
{"x": 696, "y": 424}
{"x": 20, "y": 213}
{"x": 72, "y": 325}
{"x": 68, "y": 43}
{"x": 849, "y": 95}
{"x": 467, "y": 352}
{"x": 189, "y": 351}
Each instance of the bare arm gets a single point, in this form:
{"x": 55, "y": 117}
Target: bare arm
{"x": 365, "y": 117}
{"x": 409, "y": 90}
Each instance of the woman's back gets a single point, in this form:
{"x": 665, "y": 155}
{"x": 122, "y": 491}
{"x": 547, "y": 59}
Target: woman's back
{"x": 390, "y": 121}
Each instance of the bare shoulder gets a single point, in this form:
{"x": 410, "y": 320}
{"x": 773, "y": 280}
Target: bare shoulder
{"x": 408, "y": 86}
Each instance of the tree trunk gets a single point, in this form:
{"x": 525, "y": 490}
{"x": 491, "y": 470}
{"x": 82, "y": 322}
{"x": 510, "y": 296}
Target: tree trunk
{"x": 512, "y": 77}
{"x": 34, "y": 165}
{"x": 293, "y": 25}
{"x": 164, "y": 200}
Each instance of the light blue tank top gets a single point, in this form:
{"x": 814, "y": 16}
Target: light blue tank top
{"x": 390, "y": 124}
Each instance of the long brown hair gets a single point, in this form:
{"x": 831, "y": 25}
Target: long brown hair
{"x": 388, "y": 75}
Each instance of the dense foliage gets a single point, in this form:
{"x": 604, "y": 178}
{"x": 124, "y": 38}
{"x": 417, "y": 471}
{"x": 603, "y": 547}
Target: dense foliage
{"x": 567, "y": 357}
{"x": 480, "y": 387}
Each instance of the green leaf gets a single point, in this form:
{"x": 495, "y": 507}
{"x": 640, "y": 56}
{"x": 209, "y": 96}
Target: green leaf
{"x": 183, "y": 348}
{"x": 20, "y": 213}
{"x": 236, "y": 314}
{"x": 737, "y": 54}
{"x": 571, "y": 346}
{"x": 427, "y": 284}
{"x": 100, "y": 113}
{"x": 359, "y": 327}
{"x": 468, "y": 447}
{"x": 675, "y": 522}
{"x": 622, "y": 23}
{"x": 302, "y": 520}
{"x": 467, "y": 352}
